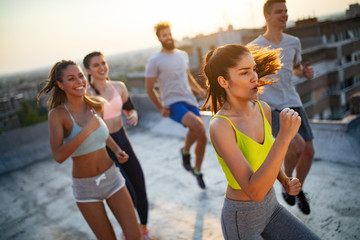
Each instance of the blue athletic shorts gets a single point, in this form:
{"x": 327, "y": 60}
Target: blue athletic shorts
{"x": 179, "y": 109}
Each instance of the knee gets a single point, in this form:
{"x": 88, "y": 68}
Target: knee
{"x": 297, "y": 146}
{"x": 198, "y": 127}
{"x": 309, "y": 151}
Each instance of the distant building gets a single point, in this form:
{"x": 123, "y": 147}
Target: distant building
{"x": 333, "y": 49}
{"x": 198, "y": 46}
{"x": 353, "y": 11}
{"x": 10, "y": 103}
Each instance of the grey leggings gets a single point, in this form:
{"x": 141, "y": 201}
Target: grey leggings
{"x": 261, "y": 220}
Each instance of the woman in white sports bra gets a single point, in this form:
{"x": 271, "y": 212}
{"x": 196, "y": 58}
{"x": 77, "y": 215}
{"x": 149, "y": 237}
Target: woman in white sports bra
{"x": 77, "y": 131}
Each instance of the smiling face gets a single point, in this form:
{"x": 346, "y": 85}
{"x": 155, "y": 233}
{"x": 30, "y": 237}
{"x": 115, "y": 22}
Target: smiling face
{"x": 278, "y": 15}
{"x": 73, "y": 81}
{"x": 166, "y": 39}
{"x": 98, "y": 68}
{"x": 243, "y": 79}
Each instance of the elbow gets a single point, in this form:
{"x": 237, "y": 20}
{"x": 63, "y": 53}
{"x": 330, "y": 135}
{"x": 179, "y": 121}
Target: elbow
{"x": 149, "y": 90}
{"x": 59, "y": 159}
{"x": 256, "y": 196}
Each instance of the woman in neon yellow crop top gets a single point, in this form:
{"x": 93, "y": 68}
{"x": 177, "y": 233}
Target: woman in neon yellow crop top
{"x": 77, "y": 131}
{"x": 248, "y": 154}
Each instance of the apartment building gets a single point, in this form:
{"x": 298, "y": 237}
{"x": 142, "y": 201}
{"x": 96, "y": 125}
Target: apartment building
{"x": 332, "y": 47}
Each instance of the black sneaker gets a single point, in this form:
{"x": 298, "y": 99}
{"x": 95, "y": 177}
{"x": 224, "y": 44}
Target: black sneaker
{"x": 199, "y": 178}
{"x": 186, "y": 160}
{"x": 288, "y": 198}
{"x": 302, "y": 203}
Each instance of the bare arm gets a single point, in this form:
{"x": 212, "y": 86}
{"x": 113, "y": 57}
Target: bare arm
{"x": 154, "y": 97}
{"x": 131, "y": 115}
{"x": 61, "y": 151}
{"x": 291, "y": 185}
{"x": 120, "y": 154}
{"x": 254, "y": 184}
{"x": 195, "y": 86}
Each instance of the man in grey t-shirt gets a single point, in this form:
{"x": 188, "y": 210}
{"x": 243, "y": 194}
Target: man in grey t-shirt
{"x": 170, "y": 69}
{"x": 283, "y": 94}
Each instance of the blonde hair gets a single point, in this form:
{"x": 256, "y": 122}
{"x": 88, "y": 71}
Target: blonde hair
{"x": 160, "y": 26}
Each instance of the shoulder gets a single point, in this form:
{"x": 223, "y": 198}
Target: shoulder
{"x": 265, "y": 106}
{"x": 154, "y": 57}
{"x": 119, "y": 86}
{"x": 219, "y": 123}
{"x": 58, "y": 114}
{"x": 291, "y": 38}
{"x": 58, "y": 111}
{"x": 220, "y": 128}
{"x": 266, "y": 109}
{"x": 259, "y": 40}
{"x": 180, "y": 52}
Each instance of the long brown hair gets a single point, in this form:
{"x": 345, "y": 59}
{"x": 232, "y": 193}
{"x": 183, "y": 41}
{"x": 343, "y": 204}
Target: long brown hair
{"x": 58, "y": 96}
{"x": 86, "y": 63}
{"x": 218, "y": 61}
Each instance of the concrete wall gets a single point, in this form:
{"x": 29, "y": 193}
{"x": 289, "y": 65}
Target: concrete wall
{"x": 337, "y": 141}
{"x": 24, "y": 146}
{"x": 334, "y": 141}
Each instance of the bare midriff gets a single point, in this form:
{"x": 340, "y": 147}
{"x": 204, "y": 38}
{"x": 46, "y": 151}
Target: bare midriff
{"x": 236, "y": 194}
{"x": 91, "y": 164}
{"x": 114, "y": 124}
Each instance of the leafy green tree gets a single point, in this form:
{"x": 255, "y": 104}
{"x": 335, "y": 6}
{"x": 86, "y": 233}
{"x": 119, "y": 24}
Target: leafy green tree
{"x": 31, "y": 113}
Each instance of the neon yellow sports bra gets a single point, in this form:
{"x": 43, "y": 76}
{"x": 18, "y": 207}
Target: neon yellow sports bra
{"x": 254, "y": 152}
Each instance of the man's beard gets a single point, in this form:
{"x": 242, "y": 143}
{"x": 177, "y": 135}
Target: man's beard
{"x": 168, "y": 45}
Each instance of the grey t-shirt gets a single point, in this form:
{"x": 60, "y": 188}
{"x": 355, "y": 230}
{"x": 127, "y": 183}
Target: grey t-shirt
{"x": 283, "y": 93}
{"x": 171, "y": 71}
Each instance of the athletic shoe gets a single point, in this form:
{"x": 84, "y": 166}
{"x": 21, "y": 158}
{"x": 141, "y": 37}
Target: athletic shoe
{"x": 186, "y": 160}
{"x": 288, "y": 198}
{"x": 302, "y": 203}
{"x": 145, "y": 234}
{"x": 199, "y": 178}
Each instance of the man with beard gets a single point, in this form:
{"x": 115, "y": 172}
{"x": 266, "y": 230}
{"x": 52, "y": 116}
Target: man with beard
{"x": 176, "y": 85}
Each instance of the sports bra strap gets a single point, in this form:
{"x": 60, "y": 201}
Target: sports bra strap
{"x": 69, "y": 113}
{"x": 72, "y": 118}
{"x": 222, "y": 116}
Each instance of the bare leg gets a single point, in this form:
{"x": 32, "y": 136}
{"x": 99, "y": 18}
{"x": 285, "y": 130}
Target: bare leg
{"x": 196, "y": 133}
{"x": 304, "y": 164}
{"x": 123, "y": 209}
{"x": 95, "y": 215}
{"x": 293, "y": 154}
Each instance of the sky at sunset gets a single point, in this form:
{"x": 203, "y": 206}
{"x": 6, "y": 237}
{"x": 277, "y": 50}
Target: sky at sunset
{"x": 38, "y": 33}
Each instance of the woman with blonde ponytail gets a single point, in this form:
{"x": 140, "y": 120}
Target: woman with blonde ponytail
{"x": 76, "y": 130}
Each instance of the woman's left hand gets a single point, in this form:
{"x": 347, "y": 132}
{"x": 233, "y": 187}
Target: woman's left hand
{"x": 132, "y": 118}
{"x": 292, "y": 186}
{"x": 122, "y": 156}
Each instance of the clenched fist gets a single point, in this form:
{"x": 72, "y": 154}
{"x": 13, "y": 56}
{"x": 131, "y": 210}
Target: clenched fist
{"x": 289, "y": 123}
